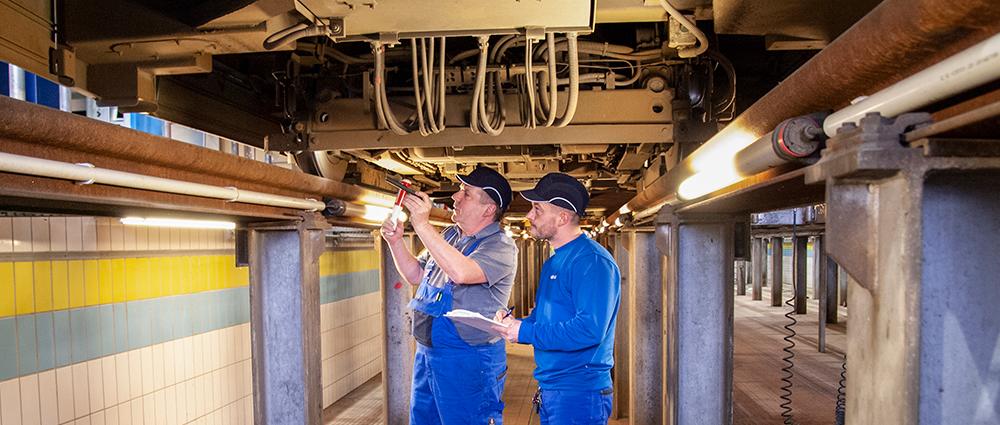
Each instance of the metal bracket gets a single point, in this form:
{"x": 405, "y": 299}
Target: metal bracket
{"x": 534, "y": 33}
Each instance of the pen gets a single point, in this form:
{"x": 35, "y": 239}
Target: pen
{"x": 510, "y": 310}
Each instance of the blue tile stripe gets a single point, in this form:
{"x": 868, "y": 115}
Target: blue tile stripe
{"x": 347, "y": 285}
{"x": 33, "y": 343}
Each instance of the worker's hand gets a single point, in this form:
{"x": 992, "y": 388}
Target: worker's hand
{"x": 419, "y": 208}
{"x": 391, "y": 230}
{"x": 510, "y": 331}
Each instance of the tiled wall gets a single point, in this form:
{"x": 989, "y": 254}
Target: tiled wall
{"x": 102, "y": 323}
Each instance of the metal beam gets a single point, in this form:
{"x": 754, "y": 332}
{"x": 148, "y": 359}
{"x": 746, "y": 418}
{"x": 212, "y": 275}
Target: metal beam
{"x": 397, "y": 346}
{"x": 908, "y": 227}
{"x": 284, "y": 320}
{"x": 646, "y": 391}
{"x": 777, "y": 274}
{"x": 622, "y": 338}
{"x": 799, "y": 275}
{"x": 758, "y": 254}
{"x": 698, "y": 317}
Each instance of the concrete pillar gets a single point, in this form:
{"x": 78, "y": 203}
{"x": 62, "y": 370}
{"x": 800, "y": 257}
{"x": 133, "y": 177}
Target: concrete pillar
{"x": 757, "y": 258}
{"x": 284, "y": 320}
{"x": 916, "y": 228}
{"x": 820, "y": 266}
{"x": 830, "y": 279}
{"x": 777, "y": 277}
{"x": 622, "y": 341}
{"x": 799, "y": 276}
{"x": 515, "y": 289}
{"x": 698, "y": 306}
{"x": 397, "y": 347}
{"x": 765, "y": 256}
{"x": 645, "y": 330}
{"x": 842, "y": 287}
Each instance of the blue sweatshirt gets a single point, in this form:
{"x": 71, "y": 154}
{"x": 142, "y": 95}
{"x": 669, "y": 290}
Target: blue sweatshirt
{"x": 572, "y": 327}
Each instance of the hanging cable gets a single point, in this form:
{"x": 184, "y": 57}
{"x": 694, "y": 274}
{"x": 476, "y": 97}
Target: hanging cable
{"x": 687, "y": 52}
{"x": 550, "y": 42}
{"x": 841, "y": 394}
{"x": 574, "y": 81}
{"x": 293, "y": 33}
{"x": 787, "y": 373}
{"x": 421, "y": 126}
{"x": 529, "y": 81}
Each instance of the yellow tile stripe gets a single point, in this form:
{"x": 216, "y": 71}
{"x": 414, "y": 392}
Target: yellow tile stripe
{"x": 340, "y": 262}
{"x": 38, "y": 286}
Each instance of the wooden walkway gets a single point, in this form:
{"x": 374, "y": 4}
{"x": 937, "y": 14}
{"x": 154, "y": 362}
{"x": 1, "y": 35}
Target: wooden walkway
{"x": 756, "y": 380}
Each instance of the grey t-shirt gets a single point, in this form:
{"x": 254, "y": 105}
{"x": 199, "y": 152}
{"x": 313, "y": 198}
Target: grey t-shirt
{"x": 496, "y": 255}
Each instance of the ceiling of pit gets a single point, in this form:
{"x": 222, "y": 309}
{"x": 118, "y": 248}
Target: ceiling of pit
{"x": 638, "y": 107}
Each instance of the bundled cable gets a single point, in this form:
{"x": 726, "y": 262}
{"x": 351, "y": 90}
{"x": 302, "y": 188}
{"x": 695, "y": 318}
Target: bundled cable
{"x": 385, "y": 115}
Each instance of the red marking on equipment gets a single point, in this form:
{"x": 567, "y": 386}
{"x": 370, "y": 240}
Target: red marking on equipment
{"x": 398, "y": 285}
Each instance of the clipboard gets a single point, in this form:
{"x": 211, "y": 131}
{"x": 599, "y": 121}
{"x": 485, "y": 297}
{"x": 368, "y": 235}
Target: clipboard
{"x": 475, "y": 320}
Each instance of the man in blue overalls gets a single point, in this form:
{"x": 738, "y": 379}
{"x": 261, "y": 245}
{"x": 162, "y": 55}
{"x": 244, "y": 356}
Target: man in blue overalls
{"x": 572, "y": 327}
{"x": 459, "y": 371}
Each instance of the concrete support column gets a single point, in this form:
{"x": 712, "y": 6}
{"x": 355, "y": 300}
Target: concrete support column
{"x": 645, "y": 330}
{"x": 777, "y": 277}
{"x": 799, "y": 275}
{"x": 698, "y": 309}
{"x": 916, "y": 228}
{"x": 284, "y": 320}
{"x": 820, "y": 266}
{"x": 622, "y": 252}
{"x": 842, "y": 288}
{"x": 758, "y": 266}
{"x": 830, "y": 280}
{"x": 765, "y": 255}
{"x": 397, "y": 347}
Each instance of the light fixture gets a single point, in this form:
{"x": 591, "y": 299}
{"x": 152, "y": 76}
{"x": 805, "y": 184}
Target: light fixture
{"x": 721, "y": 149}
{"x": 379, "y": 214}
{"x": 707, "y": 182}
{"x": 179, "y": 223}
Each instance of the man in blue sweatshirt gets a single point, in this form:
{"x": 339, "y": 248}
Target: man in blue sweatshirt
{"x": 572, "y": 327}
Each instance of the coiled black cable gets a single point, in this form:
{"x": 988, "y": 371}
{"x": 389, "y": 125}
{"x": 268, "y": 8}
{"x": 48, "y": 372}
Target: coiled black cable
{"x": 786, "y": 379}
{"x": 842, "y": 393}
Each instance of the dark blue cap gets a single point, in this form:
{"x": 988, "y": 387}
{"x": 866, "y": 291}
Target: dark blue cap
{"x": 490, "y": 182}
{"x": 560, "y": 190}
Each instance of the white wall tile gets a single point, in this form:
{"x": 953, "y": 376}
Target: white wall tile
{"x": 134, "y": 374}
{"x": 40, "y": 241}
{"x": 197, "y": 343}
{"x": 129, "y": 237}
{"x": 10, "y": 402}
{"x": 82, "y": 421}
{"x": 169, "y": 363}
{"x": 148, "y": 409}
{"x": 110, "y": 378}
{"x": 157, "y": 367}
{"x": 74, "y": 234}
{"x": 81, "y": 387}
{"x": 170, "y": 404}
{"x": 97, "y": 418}
{"x": 64, "y": 392}
{"x": 22, "y": 234}
{"x": 122, "y": 374}
{"x": 6, "y": 234}
{"x": 30, "y": 414}
{"x": 57, "y": 234}
{"x": 95, "y": 374}
{"x": 111, "y": 416}
{"x": 147, "y": 370}
{"x": 141, "y": 238}
{"x": 199, "y": 391}
{"x": 124, "y": 413}
{"x": 117, "y": 235}
{"x": 216, "y": 386}
{"x": 48, "y": 397}
{"x": 175, "y": 238}
{"x": 136, "y": 410}
{"x": 152, "y": 238}
{"x": 103, "y": 234}
{"x": 160, "y": 403}
{"x": 89, "y": 233}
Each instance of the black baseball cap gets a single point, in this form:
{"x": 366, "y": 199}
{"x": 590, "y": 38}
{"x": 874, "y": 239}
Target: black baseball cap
{"x": 560, "y": 190}
{"x": 490, "y": 182}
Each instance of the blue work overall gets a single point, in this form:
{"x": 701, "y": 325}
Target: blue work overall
{"x": 454, "y": 383}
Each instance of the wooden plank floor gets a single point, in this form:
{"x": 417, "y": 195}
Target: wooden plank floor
{"x": 756, "y": 378}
